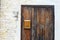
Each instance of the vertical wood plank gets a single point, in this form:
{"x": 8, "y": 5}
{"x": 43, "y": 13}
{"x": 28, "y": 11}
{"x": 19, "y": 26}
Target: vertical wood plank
{"x": 26, "y": 16}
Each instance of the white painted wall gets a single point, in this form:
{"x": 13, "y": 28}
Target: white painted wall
{"x": 8, "y": 23}
{"x": 8, "y": 7}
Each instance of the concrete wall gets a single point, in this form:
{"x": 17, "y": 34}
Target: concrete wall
{"x": 10, "y": 26}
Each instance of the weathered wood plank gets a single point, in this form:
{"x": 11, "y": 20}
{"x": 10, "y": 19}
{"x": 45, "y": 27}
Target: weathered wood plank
{"x": 26, "y": 14}
{"x": 34, "y": 24}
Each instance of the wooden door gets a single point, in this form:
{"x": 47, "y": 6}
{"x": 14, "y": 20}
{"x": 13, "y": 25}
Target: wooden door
{"x": 37, "y": 22}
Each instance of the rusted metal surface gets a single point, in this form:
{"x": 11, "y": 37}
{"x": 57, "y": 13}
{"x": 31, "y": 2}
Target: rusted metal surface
{"x": 41, "y": 23}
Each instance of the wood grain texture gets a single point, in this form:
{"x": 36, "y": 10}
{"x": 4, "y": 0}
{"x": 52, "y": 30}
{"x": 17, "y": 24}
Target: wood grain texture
{"x": 42, "y": 23}
{"x": 34, "y": 24}
{"x": 27, "y": 34}
{"x": 26, "y": 14}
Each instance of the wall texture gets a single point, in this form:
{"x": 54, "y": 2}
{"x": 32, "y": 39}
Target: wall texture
{"x": 8, "y": 20}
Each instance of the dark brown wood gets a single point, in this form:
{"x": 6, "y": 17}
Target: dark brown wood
{"x": 41, "y": 22}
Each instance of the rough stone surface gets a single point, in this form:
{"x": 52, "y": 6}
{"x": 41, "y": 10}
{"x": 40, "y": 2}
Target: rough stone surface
{"x": 8, "y": 19}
